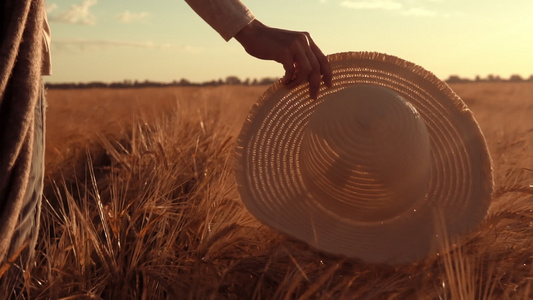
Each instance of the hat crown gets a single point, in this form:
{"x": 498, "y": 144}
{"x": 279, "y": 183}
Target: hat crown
{"x": 365, "y": 154}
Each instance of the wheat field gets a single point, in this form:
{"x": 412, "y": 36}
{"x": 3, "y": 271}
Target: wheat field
{"x": 140, "y": 203}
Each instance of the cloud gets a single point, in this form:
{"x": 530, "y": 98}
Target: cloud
{"x": 372, "y": 4}
{"x": 424, "y": 1}
{"x": 51, "y": 8}
{"x": 76, "y": 14}
{"x": 82, "y": 45}
{"x": 419, "y": 12}
{"x": 129, "y": 17}
{"x": 411, "y": 8}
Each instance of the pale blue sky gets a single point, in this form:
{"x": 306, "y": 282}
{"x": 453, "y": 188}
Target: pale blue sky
{"x": 164, "y": 40}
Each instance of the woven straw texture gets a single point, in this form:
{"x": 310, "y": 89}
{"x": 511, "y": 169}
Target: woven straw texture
{"x": 274, "y": 169}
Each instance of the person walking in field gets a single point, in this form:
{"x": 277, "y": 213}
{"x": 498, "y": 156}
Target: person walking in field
{"x": 25, "y": 58}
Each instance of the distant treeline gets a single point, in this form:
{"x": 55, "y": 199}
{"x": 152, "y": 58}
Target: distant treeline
{"x": 230, "y": 80}
{"x": 490, "y": 78}
{"x": 234, "y": 80}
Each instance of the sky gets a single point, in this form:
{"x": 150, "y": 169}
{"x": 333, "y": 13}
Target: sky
{"x": 164, "y": 40}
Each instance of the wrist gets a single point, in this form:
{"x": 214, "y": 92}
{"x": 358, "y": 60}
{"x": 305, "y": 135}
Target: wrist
{"x": 248, "y": 31}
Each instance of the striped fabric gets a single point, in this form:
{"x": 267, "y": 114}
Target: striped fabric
{"x": 21, "y": 124}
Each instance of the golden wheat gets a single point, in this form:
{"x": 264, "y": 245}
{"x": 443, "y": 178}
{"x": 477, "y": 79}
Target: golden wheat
{"x": 141, "y": 203}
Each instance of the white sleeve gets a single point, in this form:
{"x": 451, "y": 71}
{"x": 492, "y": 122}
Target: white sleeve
{"x": 227, "y": 17}
{"x": 47, "y": 55}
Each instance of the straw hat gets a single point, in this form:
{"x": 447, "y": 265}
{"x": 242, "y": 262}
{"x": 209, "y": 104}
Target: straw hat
{"x": 383, "y": 166}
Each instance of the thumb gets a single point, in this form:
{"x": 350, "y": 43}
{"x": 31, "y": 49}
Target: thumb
{"x": 289, "y": 71}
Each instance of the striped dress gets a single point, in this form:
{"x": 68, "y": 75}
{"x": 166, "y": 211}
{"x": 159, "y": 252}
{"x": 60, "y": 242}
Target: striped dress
{"x": 21, "y": 125}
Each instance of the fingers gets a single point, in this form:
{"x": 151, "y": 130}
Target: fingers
{"x": 310, "y": 71}
{"x": 288, "y": 65}
{"x": 325, "y": 68}
{"x": 307, "y": 68}
{"x": 308, "y": 64}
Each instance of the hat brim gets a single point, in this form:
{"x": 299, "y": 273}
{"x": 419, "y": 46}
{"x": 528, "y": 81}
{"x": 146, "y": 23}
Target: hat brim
{"x": 271, "y": 187}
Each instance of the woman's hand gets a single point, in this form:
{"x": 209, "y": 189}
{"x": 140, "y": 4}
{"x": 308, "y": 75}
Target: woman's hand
{"x": 300, "y": 56}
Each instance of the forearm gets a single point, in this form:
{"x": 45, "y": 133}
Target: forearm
{"x": 227, "y": 17}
